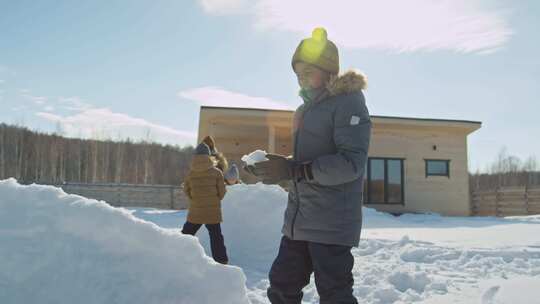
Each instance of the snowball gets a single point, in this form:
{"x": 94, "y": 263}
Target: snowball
{"x": 254, "y": 157}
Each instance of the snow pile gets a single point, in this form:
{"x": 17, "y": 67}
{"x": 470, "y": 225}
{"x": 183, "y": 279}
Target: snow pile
{"x": 254, "y": 157}
{"x": 252, "y": 221}
{"x": 252, "y": 229}
{"x": 59, "y": 248}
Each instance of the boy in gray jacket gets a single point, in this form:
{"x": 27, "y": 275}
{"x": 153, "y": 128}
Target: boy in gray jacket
{"x": 323, "y": 218}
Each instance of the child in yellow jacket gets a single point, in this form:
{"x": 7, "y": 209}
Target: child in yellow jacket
{"x": 205, "y": 187}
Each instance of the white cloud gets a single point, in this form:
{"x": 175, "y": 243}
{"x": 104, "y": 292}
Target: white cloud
{"x": 39, "y": 100}
{"x": 88, "y": 121}
{"x": 222, "y": 7}
{"x": 215, "y": 96}
{"x": 49, "y": 108}
{"x": 103, "y": 123}
{"x": 49, "y": 116}
{"x": 18, "y": 108}
{"x": 466, "y": 26}
{"x": 74, "y": 103}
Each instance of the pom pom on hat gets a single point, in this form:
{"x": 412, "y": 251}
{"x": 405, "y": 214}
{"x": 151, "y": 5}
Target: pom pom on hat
{"x": 318, "y": 51}
{"x": 319, "y": 34}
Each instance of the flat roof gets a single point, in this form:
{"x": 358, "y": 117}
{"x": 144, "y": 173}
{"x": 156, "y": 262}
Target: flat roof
{"x": 373, "y": 116}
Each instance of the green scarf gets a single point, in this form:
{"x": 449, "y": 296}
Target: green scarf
{"x": 309, "y": 95}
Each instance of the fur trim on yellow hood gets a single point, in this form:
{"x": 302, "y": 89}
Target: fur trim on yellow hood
{"x": 351, "y": 81}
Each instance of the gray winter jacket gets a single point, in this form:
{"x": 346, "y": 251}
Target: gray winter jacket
{"x": 333, "y": 133}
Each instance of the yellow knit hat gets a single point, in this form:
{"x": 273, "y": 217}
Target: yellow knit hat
{"x": 318, "y": 51}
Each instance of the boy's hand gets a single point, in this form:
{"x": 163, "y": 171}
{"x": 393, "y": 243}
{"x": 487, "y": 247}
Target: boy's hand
{"x": 277, "y": 168}
{"x": 249, "y": 169}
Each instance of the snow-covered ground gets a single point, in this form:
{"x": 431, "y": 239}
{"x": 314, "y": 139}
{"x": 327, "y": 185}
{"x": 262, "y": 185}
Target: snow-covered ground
{"x": 62, "y": 248}
{"x": 406, "y": 259}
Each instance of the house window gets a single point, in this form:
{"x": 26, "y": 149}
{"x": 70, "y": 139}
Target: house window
{"x": 384, "y": 181}
{"x": 437, "y": 167}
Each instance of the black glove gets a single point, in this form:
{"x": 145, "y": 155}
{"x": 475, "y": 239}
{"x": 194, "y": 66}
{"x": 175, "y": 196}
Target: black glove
{"x": 249, "y": 169}
{"x": 278, "y": 168}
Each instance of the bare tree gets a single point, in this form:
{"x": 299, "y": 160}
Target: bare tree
{"x": 530, "y": 164}
{"x": 119, "y": 159}
{"x": 507, "y": 170}
{"x": 2, "y": 152}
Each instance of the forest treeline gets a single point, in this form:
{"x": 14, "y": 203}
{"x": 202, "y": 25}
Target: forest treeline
{"x": 507, "y": 171}
{"x": 31, "y": 156}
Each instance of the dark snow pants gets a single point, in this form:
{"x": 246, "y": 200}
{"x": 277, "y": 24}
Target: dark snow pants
{"x": 217, "y": 243}
{"x": 296, "y": 260}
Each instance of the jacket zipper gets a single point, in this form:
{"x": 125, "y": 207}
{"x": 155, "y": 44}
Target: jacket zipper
{"x": 294, "y": 181}
{"x": 295, "y": 189}
{"x": 322, "y": 96}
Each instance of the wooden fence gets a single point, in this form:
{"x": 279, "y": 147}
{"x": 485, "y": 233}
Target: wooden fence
{"x": 127, "y": 195}
{"x": 506, "y": 201}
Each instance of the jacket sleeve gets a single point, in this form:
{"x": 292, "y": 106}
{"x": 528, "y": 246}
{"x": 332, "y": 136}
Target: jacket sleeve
{"x": 187, "y": 187}
{"x": 220, "y": 183}
{"x": 352, "y": 132}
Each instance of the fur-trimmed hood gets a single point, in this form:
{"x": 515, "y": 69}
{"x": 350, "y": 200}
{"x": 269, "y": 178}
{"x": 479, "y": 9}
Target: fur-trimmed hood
{"x": 350, "y": 82}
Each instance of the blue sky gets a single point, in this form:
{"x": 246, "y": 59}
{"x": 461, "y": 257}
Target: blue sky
{"x": 111, "y": 69}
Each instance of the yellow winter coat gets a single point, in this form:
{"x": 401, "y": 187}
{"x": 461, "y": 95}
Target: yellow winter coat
{"x": 205, "y": 187}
